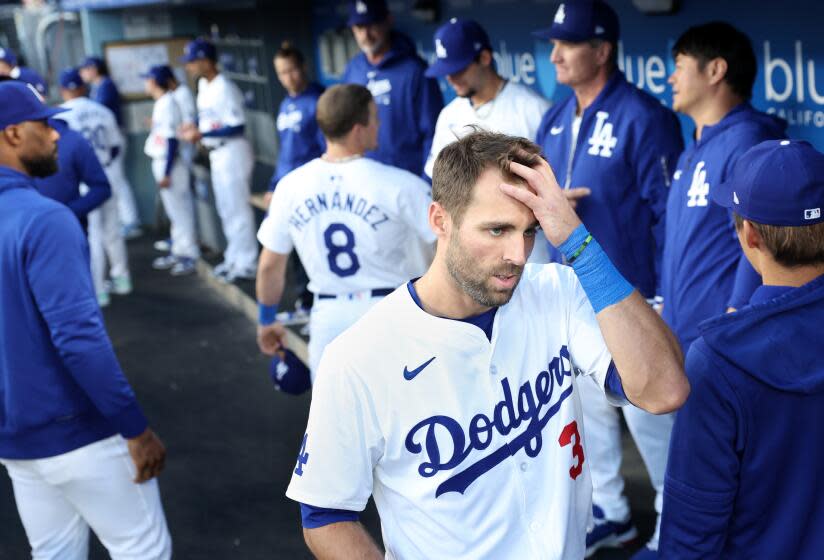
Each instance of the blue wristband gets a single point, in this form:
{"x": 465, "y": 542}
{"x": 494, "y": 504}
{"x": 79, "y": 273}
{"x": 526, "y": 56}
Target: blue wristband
{"x": 601, "y": 281}
{"x": 267, "y": 313}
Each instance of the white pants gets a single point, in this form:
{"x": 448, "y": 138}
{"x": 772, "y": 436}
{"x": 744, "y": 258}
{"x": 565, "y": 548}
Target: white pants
{"x": 122, "y": 191}
{"x": 106, "y": 244}
{"x": 179, "y": 205}
{"x": 603, "y": 446}
{"x": 329, "y": 318}
{"x": 231, "y": 167}
{"x": 60, "y": 497}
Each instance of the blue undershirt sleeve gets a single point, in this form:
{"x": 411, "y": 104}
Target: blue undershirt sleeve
{"x": 313, "y": 517}
{"x": 171, "y": 155}
{"x": 225, "y": 132}
{"x": 613, "y": 383}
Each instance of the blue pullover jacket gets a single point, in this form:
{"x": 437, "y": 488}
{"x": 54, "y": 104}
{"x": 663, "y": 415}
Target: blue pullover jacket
{"x": 61, "y": 387}
{"x": 702, "y": 257}
{"x": 744, "y": 476}
{"x": 408, "y": 103}
{"x": 300, "y": 138}
{"x": 106, "y": 94}
{"x": 626, "y": 149}
{"x": 77, "y": 163}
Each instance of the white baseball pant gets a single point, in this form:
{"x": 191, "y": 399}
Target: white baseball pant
{"x": 106, "y": 244}
{"x": 122, "y": 191}
{"x": 231, "y": 167}
{"x": 179, "y": 205}
{"x": 61, "y": 497}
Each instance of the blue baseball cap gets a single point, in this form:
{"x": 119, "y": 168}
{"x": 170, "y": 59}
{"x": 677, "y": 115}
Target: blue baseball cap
{"x": 364, "y": 12}
{"x": 160, "y": 73}
{"x": 70, "y": 79}
{"x": 290, "y": 374}
{"x": 8, "y": 56}
{"x": 581, "y": 20}
{"x": 199, "y": 49}
{"x": 95, "y": 61}
{"x": 457, "y": 44}
{"x": 776, "y": 183}
{"x": 21, "y": 103}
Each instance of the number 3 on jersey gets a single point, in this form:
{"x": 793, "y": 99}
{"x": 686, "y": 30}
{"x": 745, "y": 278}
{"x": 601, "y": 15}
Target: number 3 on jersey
{"x": 569, "y": 432}
{"x": 340, "y": 242}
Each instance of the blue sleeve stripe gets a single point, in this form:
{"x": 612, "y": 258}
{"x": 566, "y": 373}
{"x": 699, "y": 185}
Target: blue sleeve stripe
{"x": 314, "y": 517}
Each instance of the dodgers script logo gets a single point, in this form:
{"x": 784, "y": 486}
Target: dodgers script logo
{"x": 532, "y": 407}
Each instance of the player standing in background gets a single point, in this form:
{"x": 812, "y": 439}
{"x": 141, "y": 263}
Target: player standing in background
{"x": 485, "y": 99}
{"x": 300, "y": 138}
{"x": 73, "y": 438}
{"x": 454, "y": 400}
{"x": 359, "y": 226}
{"x": 738, "y": 483}
{"x": 97, "y": 124}
{"x": 171, "y": 174}
{"x": 9, "y": 67}
{"x": 408, "y": 102}
{"x": 704, "y": 271}
{"x": 221, "y": 122}
{"x": 103, "y": 90}
{"x": 614, "y": 148}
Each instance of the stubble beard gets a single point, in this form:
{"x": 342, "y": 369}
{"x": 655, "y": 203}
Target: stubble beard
{"x": 473, "y": 281}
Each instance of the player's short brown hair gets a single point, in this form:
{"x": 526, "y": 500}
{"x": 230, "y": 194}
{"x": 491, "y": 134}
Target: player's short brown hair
{"x": 791, "y": 245}
{"x": 288, "y": 50}
{"x": 460, "y": 164}
{"x": 341, "y": 107}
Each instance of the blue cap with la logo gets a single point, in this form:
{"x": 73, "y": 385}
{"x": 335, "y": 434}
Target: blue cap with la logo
{"x": 365, "y": 12}
{"x": 577, "y": 21}
{"x": 199, "y": 49}
{"x": 21, "y": 103}
{"x": 776, "y": 183}
{"x": 457, "y": 44}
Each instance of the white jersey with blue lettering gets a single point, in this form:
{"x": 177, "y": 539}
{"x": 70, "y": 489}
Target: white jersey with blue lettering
{"x": 98, "y": 125}
{"x": 219, "y": 105}
{"x": 356, "y": 225}
{"x": 471, "y": 448}
{"x": 166, "y": 119}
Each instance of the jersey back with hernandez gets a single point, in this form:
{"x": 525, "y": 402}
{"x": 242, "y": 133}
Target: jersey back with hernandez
{"x": 356, "y": 225}
{"x": 472, "y": 448}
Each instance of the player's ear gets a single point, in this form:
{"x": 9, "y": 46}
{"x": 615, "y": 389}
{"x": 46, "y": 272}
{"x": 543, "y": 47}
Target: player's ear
{"x": 751, "y": 236}
{"x": 717, "y": 69}
{"x": 439, "y": 219}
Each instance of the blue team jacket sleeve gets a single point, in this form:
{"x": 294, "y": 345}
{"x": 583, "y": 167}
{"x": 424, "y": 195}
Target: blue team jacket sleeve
{"x": 702, "y": 470}
{"x": 430, "y": 105}
{"x": 57, "y": 269}
{"x": 225, "y": 132}
{"x": 90, "y": 172}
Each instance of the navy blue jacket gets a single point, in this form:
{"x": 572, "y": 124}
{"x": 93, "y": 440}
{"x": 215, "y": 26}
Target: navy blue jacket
{"x": 300, "y": 138}
{"x": 408, "y": 103}
{"x": 627, "y": 146}
{"x": 106, "y": 94}
{"x": 78, "y": 163}
{"x": 701, "y": 251}
{"x": 744, "y": 475}
{"x": 61, "y": 387}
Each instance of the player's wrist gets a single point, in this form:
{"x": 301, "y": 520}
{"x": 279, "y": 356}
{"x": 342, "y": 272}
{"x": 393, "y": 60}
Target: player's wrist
{"x": 599, "y": 278}
{"x": 267, "y": 314}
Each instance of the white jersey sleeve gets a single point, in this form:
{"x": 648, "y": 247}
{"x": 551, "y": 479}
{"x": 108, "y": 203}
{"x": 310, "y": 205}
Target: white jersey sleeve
{"x": 343, "y": 441}
{"x": 273, "y": 233}
{"x": 231, "y": 106}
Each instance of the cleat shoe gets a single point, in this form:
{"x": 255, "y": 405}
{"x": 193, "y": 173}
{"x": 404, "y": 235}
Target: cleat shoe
{"x": 164, "y": 245}
{"x": 122, "y": 285}
{"x": 646, "y": 553}
{"x": 164, "y": 263}
{"x": 183, "y": 267}
{"x": 103, "y": 299}
{"x": 222, "y": 270}
{"x": 607, "y": 533}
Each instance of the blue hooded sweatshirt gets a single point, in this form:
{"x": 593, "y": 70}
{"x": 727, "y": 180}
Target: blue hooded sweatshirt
{"x": 626, "y": 148}
{"x": 744, "y": 476}
{"x": 61, "y": 387}
{"x": 408, "y": 103}
{"x": 77, "y": 163}
{"x": 300, "y": 138}
{"x": 702, "y": 257}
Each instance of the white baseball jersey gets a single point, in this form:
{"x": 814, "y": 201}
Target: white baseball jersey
{"x": 166, "y": 118}
{"x": 516, "y": 110}
{"x": 356, "y": 225}
{"x": 186, "y": 103}
{"x": 219, "y": 104}
{"x": 97, "y": 124}
{"x": 471, "y": 448}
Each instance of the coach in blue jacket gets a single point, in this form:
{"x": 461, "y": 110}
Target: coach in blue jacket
{"x": 408, "y": 102}
{"x": 745, "y": 471}
{"x": 73, "y": 438}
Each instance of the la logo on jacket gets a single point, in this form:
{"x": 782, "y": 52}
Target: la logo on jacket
{"x": 602, "y": 142}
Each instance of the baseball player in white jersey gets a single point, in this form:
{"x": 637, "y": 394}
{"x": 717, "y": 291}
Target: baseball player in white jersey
{"x": 106, "y": 243}
{"x": 221, "y": 123}
{"x": 188, "y": 115}
{"x": 171, "y": 174}
{"x": 359, "y": 226}
{"x": 454, "y": 401}
{"x": 484, "y": 99}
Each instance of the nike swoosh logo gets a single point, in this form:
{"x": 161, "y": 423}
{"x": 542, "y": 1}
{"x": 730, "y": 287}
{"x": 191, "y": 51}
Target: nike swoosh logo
{"x": 410, "y": 375}
{"x": 556, "y": 130}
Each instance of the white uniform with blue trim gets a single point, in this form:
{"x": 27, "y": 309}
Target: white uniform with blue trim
{"x": 357, "y": 226}
{"x": 471, "y": 448}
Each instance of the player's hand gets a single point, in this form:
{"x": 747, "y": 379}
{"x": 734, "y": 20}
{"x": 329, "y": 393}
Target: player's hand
{"x": 271, "y": 338}
{"x": 546, "y": 199}
{"x": 148, "y": 454}
{"x": 164, "y": 183}
{"x": 189, "y": 133}
{"x": 267, "y": 198}
{"x": 576, "y": 194}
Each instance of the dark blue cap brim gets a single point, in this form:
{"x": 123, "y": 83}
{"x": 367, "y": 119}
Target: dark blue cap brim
{"x": 45, "y": 113}
{"x": 441, "y": 68}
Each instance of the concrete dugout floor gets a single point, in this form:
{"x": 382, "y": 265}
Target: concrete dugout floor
{"x": 231, "y": 438}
